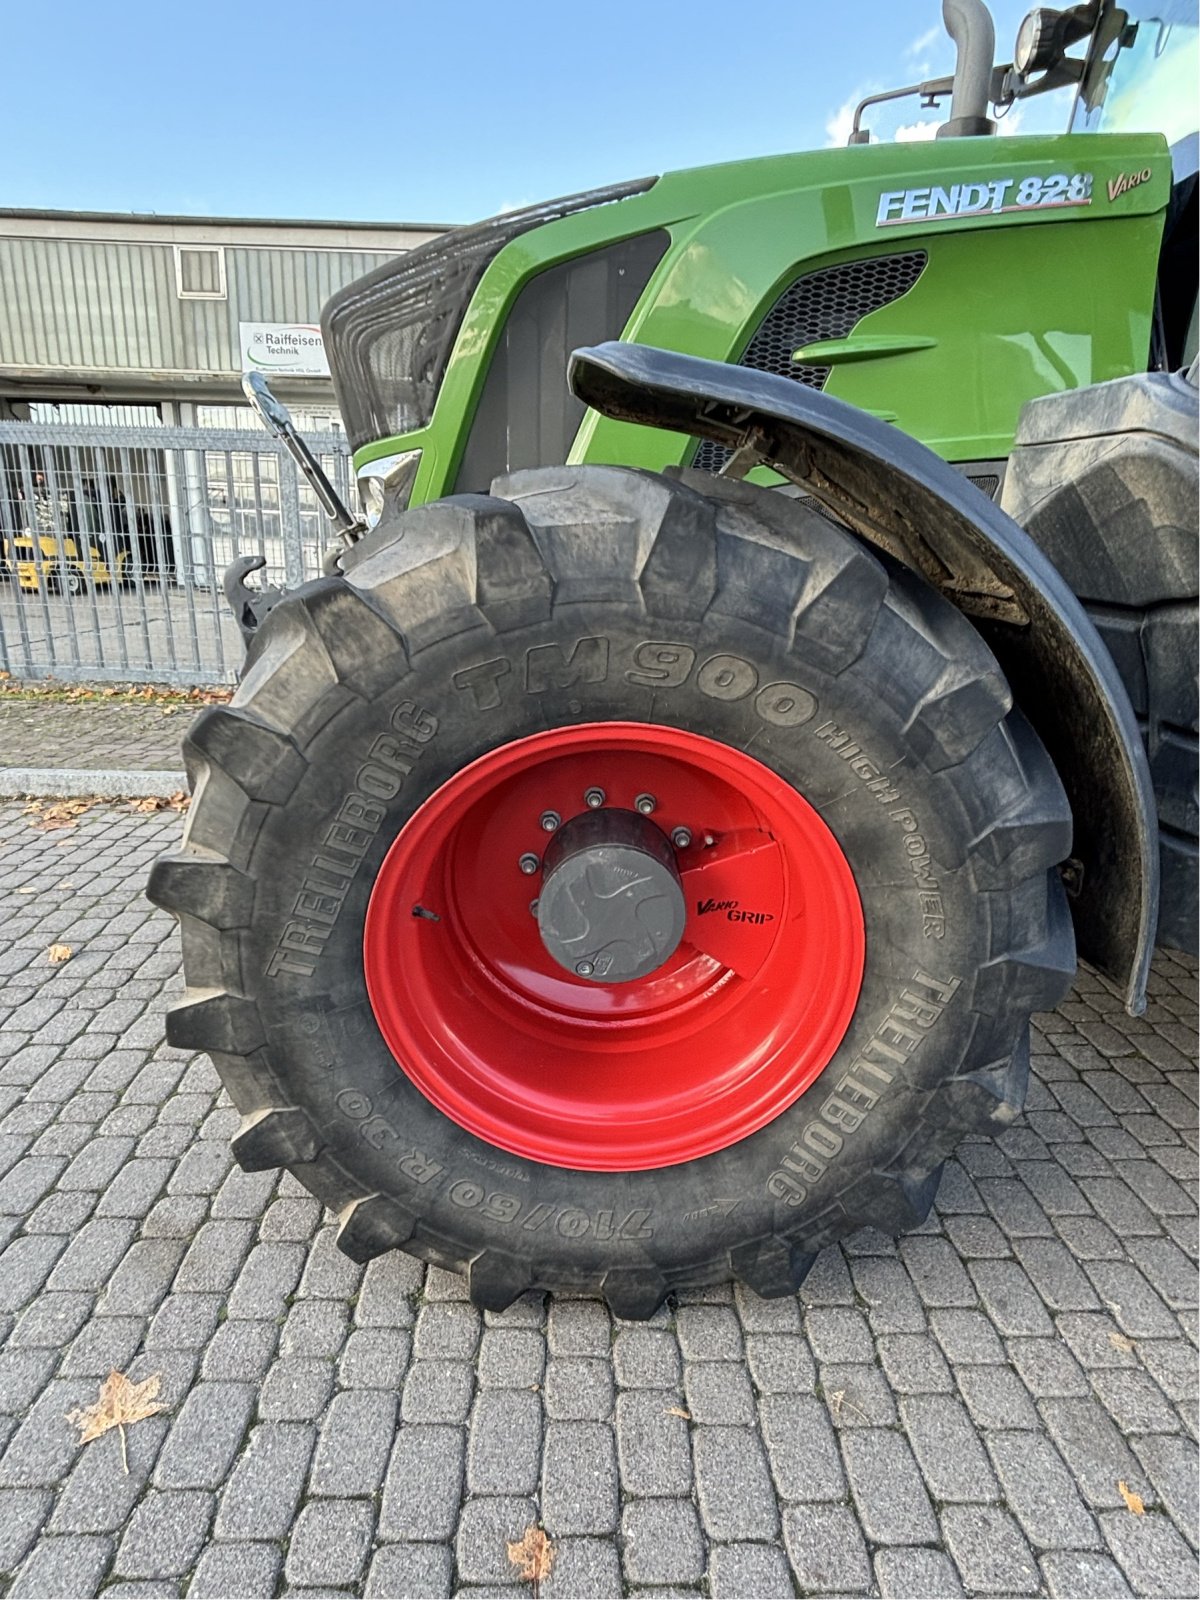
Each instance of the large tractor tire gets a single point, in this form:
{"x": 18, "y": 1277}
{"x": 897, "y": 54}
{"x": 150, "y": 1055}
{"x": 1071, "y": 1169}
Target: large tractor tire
{"x": 612, "y": 887}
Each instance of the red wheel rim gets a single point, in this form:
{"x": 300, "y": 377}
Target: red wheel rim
{"x": 709, "y": 1048}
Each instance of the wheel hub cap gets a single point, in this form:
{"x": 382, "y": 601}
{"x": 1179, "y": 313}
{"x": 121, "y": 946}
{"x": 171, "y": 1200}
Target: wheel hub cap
{"x": 611, "y": 908}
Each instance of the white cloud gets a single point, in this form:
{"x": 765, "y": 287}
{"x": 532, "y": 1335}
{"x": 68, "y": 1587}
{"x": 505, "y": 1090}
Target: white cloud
{"x": 839, "y": 125}
{"x": 919, "y": 46}
{"x": 1010, "y": 122}
{"x": 907, "y": 132}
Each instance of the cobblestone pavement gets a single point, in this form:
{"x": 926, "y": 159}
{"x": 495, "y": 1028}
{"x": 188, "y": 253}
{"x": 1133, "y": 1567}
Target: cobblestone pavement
{"x": 39, "y": 732}
{"x": 954, "y": 1412}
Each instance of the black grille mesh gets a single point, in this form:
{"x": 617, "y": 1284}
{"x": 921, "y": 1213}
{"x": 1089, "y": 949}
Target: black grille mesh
{"x": 822, "y": 305}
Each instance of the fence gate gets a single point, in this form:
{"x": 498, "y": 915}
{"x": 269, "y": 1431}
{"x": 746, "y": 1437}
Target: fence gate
{"x": 113, "y": 542}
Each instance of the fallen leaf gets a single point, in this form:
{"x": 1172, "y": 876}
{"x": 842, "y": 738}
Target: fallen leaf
{"x": 120, "y": 1404}
{"x": 838, "y": 1399}
{"x": 58, "y": 953}
{"x": 1120, "y": 1342}
{"x": 1133, "y": 1501}
{"x": 532, "y": 1555}
{"x": 27, "y": 888}
{"x": 678, "y": 1411}
{"x": 60, "y": 814}
{"x": 179, "y": 801}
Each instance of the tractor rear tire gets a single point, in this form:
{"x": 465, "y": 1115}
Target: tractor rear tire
{"x": 603, "y": 615}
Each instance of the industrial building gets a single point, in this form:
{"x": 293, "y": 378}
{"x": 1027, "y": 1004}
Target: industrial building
{"x": 141, "y": 319}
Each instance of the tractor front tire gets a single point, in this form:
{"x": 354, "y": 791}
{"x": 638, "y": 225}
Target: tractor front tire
{"x": 818, "y": 759}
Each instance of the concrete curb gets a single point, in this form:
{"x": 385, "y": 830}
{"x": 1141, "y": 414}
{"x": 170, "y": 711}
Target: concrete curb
{"x": 72, "y": 783}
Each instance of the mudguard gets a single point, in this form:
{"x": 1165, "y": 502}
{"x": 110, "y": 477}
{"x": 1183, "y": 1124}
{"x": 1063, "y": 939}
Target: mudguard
{"x": 901, "y": 497}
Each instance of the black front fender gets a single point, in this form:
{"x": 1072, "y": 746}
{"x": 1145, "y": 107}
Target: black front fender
{"x": 900, "y": 496}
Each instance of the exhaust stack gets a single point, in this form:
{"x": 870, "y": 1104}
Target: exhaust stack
{"x": 969, "y": 24}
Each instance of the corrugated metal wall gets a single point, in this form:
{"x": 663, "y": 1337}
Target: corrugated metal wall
{"x": 83, "y": 304}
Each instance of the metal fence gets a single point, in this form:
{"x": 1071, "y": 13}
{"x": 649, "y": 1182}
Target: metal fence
{"x": 113, "y": 542}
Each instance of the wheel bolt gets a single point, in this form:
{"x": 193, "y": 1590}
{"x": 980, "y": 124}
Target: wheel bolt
{"x": 584, "y": 968}
{"x": 529, "y": 864}
{"x": 645, "y": 803}
{"x": 594, "y": 798}
{"x": 549, "y": 821}
{"x": 533, "y": 908}
{"x": 681, "y": 838}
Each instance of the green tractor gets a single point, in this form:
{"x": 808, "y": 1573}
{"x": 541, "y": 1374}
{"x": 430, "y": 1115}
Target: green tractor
{"x": 767, "y": 649}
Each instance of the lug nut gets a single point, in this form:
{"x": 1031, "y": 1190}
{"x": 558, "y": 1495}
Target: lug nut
{"x": 549, "y": 821}
{"x": 533, "y": 908}
{"x": 593, "y": 798}
{"x": 645, "y": 803}
{"x": 681, "y": 838}
{"x": 529, "y": 864}
{"x": 584, "y": 969}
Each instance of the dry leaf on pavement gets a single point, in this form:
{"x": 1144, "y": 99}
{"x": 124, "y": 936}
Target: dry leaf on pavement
{"x": 179, "y": 801}
{"x": 61, "y": 814}
{"x": 58, "y": 953}
{"x": 1133, "y": 1501}
{"x": 678, "y": 1411}
{"x": 1120, "y": 1342}
{"x": 532, "y": 1555}
{"x": 120, "y": 1404}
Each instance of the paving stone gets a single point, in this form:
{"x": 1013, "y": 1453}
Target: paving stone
{"x": 709, "y": 1333}
{"x": 270, "y": 1273}
{"x": 748, "y": 1572}
{"x": 578, "y": 1389}
{"x": 1134, "y": 1304}
{"x": 892, "y": 1502}
{"x": 328, "y": 1272}
{"x": 241, "y": 1350}
{"x": 315, "y": 1328}
{"x": 915, "y": 1575}
{"x": 989, "y": 1551}
{"x": 330, "y": 1542}
{"x": 1170, "y": 1463}
{"x": 947, "y": 1447}
{"x": 584, "y": 1569}
{"x": 261, "y": 1497}
{"x": 1150, "y": 1553}
{"x": 247, "y": 1570}
{"x": 914, "y": 1364}
{"x": 511, "y": 1358}
{"x": 184, "y": 1322}
{"x": 579, "y": 1478}
{"x": 1047, "y": 1368}
{"x": 1010, "y": 1299}
{"x": 374, "y": 1358}
{"x": 579, "y": 1328}
{"x": 165, "y": 1534}
{"x": 505, "y": 1444}
{"x": 214, "y": 1257}
{"x": 205, "y": 1436}
{"x": 825, "y": 1548}
{"x": 1094, "y": 1450}
{"x": 1135, "y": 1402}
{"x": 485, "y": 1528}
{"x": 417, "y": 1571}
{"x": 355, "y": 1440}
{"x": 937, "y": 1272}
{"x": 857, "y": 1397}
{"x": 22, "y": 1513}
{"x": 662, "y": 1542}
{"x": 107, "y": 1480}
{"x": 438, "y": 1391}
{"x": 447, "y": 1332}
{"x": 63, "y": 1568}
{"x": 733, "y": 1484}
{"x": 1082, "y": 1575}
{"x": 647, "y": 1358}
{"x": 1039, "y": 1491}
{"x": 652, "y": 1444}
{"x": 424, "y": 1484}
{"x": 996, "y": 1397}
{"x": 966, "y": 1336}
{"x": 838, "y": 1334}
{"x": 23, "y": 1376}
{"x": 45, "y": 1445}
{"x": 757, "y": 1315}
{"x": 802, "y": 1450}
{"x": 780, "y": 1363}
{"x": 296, "y": 1390}
{"x": 1172, "y": 1366}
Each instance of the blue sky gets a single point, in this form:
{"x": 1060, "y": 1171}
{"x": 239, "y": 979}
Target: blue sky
{"x": 386, "y": 109}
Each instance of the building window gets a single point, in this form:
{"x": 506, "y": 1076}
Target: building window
{"x": 200, "y": 272}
